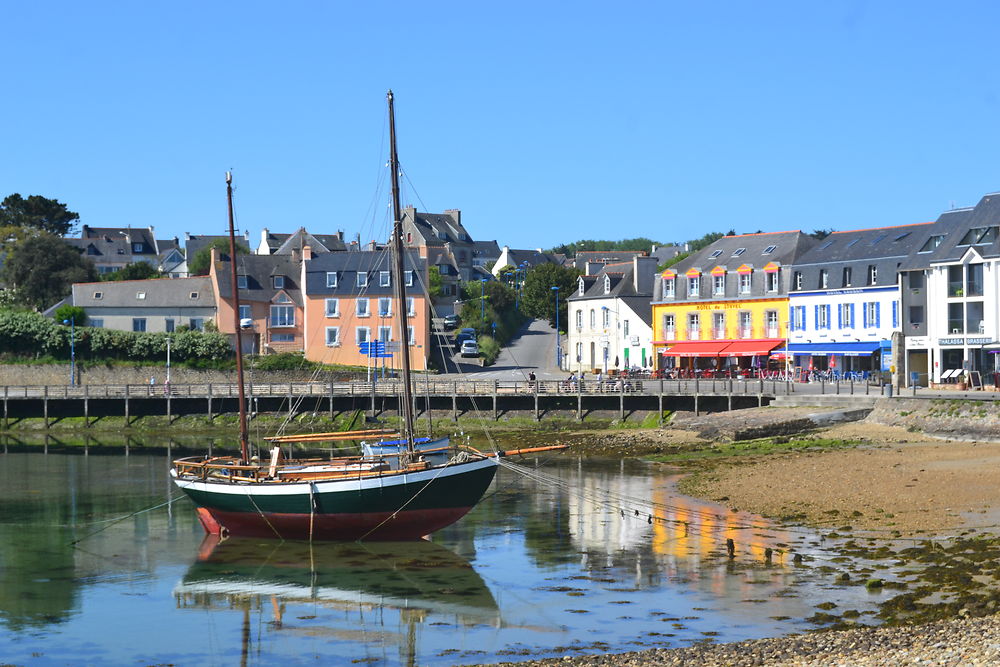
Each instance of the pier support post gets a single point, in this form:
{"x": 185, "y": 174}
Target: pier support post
{"x": 495, "y": 415}
{"x": 209, "y": 401}
{"x": 126, "y": 407}
{"x": 696, "y": 404}
{"x": 86, "y": 407}
{"x": 45, "y": 404}
{"x": 621, "y": 405}
{"x": 537, "y": 415}
{"x": 331, "y": 400}
{"x": 170, "y": 415}
{"x": 454, "y": 401}
{"x": 579, "y": 398}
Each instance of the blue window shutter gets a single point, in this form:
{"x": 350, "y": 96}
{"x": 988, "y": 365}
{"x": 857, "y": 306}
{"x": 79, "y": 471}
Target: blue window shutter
{"x": 791, "y": 318}
{"x": 816, "y": 316}
{"x": 852, "y": 316}
{"x": 802, "y": 318}
{"x": 840, "y": 316}
{"x": 895, "y": 314}
{"x": 829, "y": 319}
{"x": 878, "y": 314}
{"x": 864, "y": 315}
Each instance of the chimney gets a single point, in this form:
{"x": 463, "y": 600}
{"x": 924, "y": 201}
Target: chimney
{"x": 263, "y": 242}
{"x": 643, "y": 274}
{"x": 340, "y": 235}
{"x": 307, "y": 253}
{"x": 687, "y": 247}
{"x": 455, "y": 214}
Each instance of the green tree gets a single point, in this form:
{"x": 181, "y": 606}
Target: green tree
{"x": 47, "y": 215}
{"x": 434, "y": 282}
{"x": 539, "y": 300}
{"x": 133, "y": 271}
{"x": 74, "y": 314}
{"x": 43, "y": 268}
{"x": 199, "y": 264}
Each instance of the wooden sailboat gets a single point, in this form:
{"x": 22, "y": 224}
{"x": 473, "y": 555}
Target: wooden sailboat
{"x": 400, "y": 495}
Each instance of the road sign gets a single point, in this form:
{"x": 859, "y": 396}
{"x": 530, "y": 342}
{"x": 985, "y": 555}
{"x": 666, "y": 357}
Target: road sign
{"x": 372, "y": 348}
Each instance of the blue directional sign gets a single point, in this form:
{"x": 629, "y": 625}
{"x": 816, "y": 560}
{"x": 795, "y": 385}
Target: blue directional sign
{"x": 375, "y": 348}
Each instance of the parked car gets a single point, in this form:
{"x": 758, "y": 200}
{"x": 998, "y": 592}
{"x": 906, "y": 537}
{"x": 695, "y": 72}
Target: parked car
{"x": 464, "y": 335}
{"x": 470, "y": 348}
{"x": 450, "y": 322}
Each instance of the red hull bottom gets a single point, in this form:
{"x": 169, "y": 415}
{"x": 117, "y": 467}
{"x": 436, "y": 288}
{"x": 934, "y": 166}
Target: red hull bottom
{"x": 406, "y": 525}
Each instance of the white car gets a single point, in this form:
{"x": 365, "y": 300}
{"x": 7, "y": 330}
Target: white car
{"x": 470, "y": 348}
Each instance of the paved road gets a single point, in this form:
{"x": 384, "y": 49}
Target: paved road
{"x": 533, "y": 349}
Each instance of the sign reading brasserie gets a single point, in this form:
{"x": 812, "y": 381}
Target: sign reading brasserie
{"x": 964, "y": 341}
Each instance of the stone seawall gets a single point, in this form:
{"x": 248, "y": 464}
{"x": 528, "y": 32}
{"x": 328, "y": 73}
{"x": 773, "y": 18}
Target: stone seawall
{"x": 955, "y": 419}
{"x": 54, "y": 375}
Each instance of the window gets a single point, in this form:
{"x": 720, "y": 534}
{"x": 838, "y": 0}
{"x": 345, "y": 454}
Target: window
{"x": 979, "y": 236}
{"x": 579, "y": 352}
{"x": 975, "y": 322}
{"x": 745, "y": 281}
{"x": 916, "y": 279}
{"x": 823, "y": 316}
{"x": 771, "y": 322}
{"x": 194, "y": 295}
{"x": 138, "y": 324}
{"x": 845, "y": 316}
{"x": 385, "y": 334}
{"x": 607, "y": 284}
{"x": 719, "y": 285}
{"x": 916, "y": 315}
{"x": 847, "y": 276}
{"x": 196, "y": 323}
{"x": 362, "y": 335}
{"x": 245, "y": 313}
{"x": 593, "y": 319}
{"x": 384, "y": 307}
{"x": 408, "y": 278}
{"x": 625, "y": 328}
{"x": 97, "y": 322}
{"x": 282, "y": 298}
{"x": 363, "y": 279}
{"x": 278, "y": 282}
{"x": 694, "y": 326}
{"x": 333, "y": 336}
{"x": 738, "y": 252}
{"x": 824, "y": 276}
{"x": 694, "y": 286}
{"x": 98, "y": 295}
{"x": 956, "y": 281}
{"x": 715, "y": 254}
{"x": 605, "y": 318}
{"x": 333, "y": 307}
{"x": 974, "y": 280}
{"x": 872, "y": 274}
{"x": 798, "y": 318}
{"x": 669, "y": 327}
{"x": 140, "y": 295}
{"x": 331, "y": 279}
{"x": 282, "y": 316}
{"x": 769, "y": 249}
{"x": 797, "y": 280}
{"x": 361, "y": 308}
{"x": 580, "y": 287}
{"x": 718, "y": 325}
{"x": 772, "y": 281}
{"x": 932, "y": 243}
{"x": 668, "y": 288}
{"x": 383, "y": 278}
{"x": 579, "y": 320}
{"x": 282, "y": 338}
{"x": 411, "y": 307}
{"x": 168, "y": 324}
{"x": 137, "y": 247}
{"x": 878, "y": 238}
{"x": 746, "y": 324}
{"x": 410, "y": 336}
{"x": 241, "y": 282}
{"x": 871, "y": 314}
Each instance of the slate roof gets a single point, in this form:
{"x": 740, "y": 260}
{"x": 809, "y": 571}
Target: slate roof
{"x": 348, "y": 264}
{"x": 130, "y": 235}
{"x": 259, "y": 270}
{"x": 434, "y": 229}
{"x": 320, "y": 243}
{"x": 885, "y": 248}
{"x": 952, "y": 228}
{"x": 195, "y": 242}
{"x": 532, "y": 257}
{"x": 158, "y": 293}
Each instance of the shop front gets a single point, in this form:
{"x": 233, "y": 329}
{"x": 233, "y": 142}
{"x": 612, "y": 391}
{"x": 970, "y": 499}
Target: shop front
{"x": 840, "y": 359}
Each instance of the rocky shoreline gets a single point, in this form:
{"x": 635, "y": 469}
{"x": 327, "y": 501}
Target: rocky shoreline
{"x": 956, "y": 642}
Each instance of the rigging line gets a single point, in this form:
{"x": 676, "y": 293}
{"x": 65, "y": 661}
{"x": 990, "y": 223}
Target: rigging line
{"x": 406, "y": 178}
{"x": 111, "y": 522}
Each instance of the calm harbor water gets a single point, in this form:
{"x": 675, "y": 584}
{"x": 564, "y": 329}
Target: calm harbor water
{"x": 535, "y": 570}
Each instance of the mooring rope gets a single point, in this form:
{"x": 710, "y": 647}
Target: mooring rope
{"x": 111, "y": 522}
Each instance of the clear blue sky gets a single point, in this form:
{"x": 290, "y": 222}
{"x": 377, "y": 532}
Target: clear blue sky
{"x": 543, "y": 122}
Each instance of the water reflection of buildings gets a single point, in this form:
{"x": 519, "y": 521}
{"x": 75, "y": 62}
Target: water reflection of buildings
{"x": 346, "y": 586}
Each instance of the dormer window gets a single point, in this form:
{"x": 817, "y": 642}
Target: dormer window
{"x": 932, "y": 243}
{"x": 136, "y": 247}
{"x": 383, "y": 278}
{"x": 607, "y": 284}
{"x": 408, "y": 278}
{"x": 579, "y": 286}
{"x": 872, "y": 274}
{"x": 278, "y": 282}
{"x": 362, "y": 279}
{"x": 738, "y": 252}
{"x": 331, "y": 278}
{"x": 241, "y": 282}
{"x": 140, "y": 295}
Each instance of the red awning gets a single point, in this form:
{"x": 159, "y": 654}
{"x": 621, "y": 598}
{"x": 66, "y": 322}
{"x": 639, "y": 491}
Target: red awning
{"x": 752, "y": 348}
{"x": 697, "y": 348}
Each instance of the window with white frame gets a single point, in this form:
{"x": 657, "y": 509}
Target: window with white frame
{"x": 362, "y": 279}
{"x": 383, "y": 279}
{"x": 746, "y": 324}
{"x": 605, "y": 318}
{"x": 579, "y": 320}
{"x": 362, "y": 335}
{"x": 593, "y": 319}
{"x": 668, "y": 288}
{"x": 408, "y": 278}
{"x": 333, "y": 336}
{"x": 823, "y": 316}
{"x": 385, "y": 334}
{"x": 669, "y": 327}
{"x": 625, "y": 328}
{"x": 745, "y": 282}
{"x": 694, "y": 285}
{"x": 282, "y": 316}
{"x": 872, "y": 274}
{"x": 798, "y": 317}
{"x": 361, "y": 308}
{"x": 824, "y": 278}
{"x": 245, "y": 313}
{"x": 694, "y": 326}
{"x": 410, "y": 336}
{"x": 845, "y": 315}
{"x": 331, "y": 278}
{"x": 797, "y": 280}
{"x": 719, "y": 285}
{"x": 847, "y": 277}
{"x": 579, "y": 352}
{"x": 871, "y": 314}
{"x": 333, "y": 307}
{"x": 384, "y": 307}
{"x": 772, "y": 281}
{"x": 771, "y": 322}
{"x": 278, "y": 282}
{"x": 718, "y": 325}
{"x": 241, "y": 282}
{"x": 607, "y": 284}
{"x": 97, "y": 322}
{"x": 411, "y": 306}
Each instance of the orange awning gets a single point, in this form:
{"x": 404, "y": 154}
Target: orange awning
{"x": 752, "y": 348}
{"x": 697, "y": 348}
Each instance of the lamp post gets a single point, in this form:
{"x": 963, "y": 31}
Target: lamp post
{"x": 72, "y": 351}
{"x": 482, "y": 299}
{"x": 555, "y": 289}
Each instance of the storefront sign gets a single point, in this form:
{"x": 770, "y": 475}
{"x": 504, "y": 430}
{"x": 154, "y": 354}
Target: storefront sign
{"x": 964, "y": 341}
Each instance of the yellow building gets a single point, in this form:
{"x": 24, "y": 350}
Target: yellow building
{"x": 726, "y": 306}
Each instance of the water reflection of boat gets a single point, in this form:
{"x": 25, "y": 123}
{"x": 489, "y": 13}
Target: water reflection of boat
{"x": 417, "y": 576}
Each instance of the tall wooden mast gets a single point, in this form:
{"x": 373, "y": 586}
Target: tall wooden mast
{"x": 399, "y": 285}
{"x": 244, "y": 438}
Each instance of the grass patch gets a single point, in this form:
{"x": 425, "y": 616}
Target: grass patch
{"x": 759, "y": 447}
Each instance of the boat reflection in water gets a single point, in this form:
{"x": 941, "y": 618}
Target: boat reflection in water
{"x": 339, "y": 591}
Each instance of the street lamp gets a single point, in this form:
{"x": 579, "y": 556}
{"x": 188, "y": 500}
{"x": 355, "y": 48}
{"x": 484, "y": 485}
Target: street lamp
{"x": 72, "y": 351}
{"x": 555, "y": 289}
{"x": 482, "y": 299}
